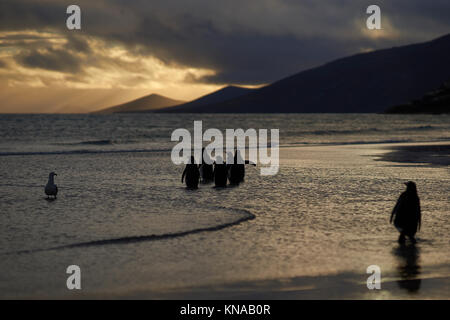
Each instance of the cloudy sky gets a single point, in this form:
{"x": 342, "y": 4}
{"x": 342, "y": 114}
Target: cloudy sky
{"x": 182, "y": 48}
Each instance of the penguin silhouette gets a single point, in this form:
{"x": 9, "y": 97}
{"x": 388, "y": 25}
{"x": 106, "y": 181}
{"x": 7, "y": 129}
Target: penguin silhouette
{"x": 220, "y": 172}
{"x": 406, "y": 214}
{"x": 192, "y": 174}
{"x": 206, "y": 170}
{"x": 51, "y": 189}
{"x": 236, "y": 171}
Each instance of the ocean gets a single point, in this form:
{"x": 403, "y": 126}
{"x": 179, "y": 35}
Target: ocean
{"x": 124, "y": 217}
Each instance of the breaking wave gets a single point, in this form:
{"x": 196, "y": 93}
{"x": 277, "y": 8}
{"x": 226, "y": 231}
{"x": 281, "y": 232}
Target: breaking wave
{"x": 245, "y": 216}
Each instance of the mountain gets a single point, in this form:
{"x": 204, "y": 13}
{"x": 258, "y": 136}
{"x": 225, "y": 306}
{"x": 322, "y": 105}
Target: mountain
{"x": 218, "y": 96}
{"x": 365, "y": 82}
{"x": 150, "y": 102}
{"x": 434, "y": 102}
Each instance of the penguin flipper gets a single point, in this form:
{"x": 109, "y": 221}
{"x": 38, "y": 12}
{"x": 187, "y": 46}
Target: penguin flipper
{"x": 397, "y": 206}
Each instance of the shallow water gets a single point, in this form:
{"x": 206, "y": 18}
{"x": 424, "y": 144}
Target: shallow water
{"x": 325, "y": 212}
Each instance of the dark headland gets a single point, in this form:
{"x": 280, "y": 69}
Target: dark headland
{"x": 362, "y": 83}
{"x": 149, "y": 102}
{"x": 155, "y": 102}
{"x": 433, "y": 102}
{"x": 219, "y": 96}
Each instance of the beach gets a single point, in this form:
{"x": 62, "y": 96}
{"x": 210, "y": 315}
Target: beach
{"x": 309, "y": 232}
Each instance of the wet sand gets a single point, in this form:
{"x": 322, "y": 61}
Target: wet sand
{"x": 434, "y": 155}
{"x": 404, "y": 284}
{"x": 332, "y": 287}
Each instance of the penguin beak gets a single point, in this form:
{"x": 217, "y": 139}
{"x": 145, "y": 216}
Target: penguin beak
{"x": 55, "y": 174}
{"x": 405, "y": 183}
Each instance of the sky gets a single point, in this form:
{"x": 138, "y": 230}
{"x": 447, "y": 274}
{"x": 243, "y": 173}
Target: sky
{"x": 184, "y": 49}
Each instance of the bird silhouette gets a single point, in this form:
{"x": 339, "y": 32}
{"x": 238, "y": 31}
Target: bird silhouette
{"x": 51, "y": 189}
{"x": 406, "y": 214}
{"x": 192, "y": 174}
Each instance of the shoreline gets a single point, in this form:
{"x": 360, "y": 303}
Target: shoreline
{"x": 434, "y": 154}
{"x": 421, "y": 154}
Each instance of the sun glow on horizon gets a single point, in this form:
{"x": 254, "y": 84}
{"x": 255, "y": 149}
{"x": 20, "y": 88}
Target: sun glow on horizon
{"x": 30, "y": 59}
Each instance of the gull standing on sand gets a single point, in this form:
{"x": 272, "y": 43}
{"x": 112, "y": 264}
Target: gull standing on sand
{"x": 50, "y": 188}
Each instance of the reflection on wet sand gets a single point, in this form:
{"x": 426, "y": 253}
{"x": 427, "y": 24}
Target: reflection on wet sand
{"x": 408, "y": 266}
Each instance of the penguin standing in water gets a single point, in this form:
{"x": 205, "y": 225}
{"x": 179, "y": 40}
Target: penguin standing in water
{"x": 236, "y": 171}
{"x": 220, "y": 172}
{"x": 51, "y": 189}
{"x": 206, "y": 170}
{"x": 192, "y": 174}
{"x": 406, "y": 214}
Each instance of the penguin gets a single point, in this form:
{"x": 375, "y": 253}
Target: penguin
{"x": 406, "y": 214}
{"x": 236, "y": 171}
{"x": 206, "y": 170}
{"x": 220, "y": 172}
{"x": 51, "y": 189}
{"x": 192, "y": 174}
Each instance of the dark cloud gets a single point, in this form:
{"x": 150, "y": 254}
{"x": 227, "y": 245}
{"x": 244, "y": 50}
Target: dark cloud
{"x": 78, "y": 44}
{"x": 20, "y": 14}
{"x": 51, "y": 59}
{"x": 244, "y": 41}
{"x": 27, "y": 37}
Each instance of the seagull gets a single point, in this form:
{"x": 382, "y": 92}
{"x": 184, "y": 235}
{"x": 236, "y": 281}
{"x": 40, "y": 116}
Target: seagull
{"x": 50, "y": 188}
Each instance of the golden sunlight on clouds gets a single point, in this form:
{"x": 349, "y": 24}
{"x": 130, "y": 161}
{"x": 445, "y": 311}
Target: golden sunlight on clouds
{"x": 115, "y": 67}
{"x": 31, "y": 59}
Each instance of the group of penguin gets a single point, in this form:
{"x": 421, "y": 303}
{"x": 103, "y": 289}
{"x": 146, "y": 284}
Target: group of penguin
{"x": 218, "y": 171}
